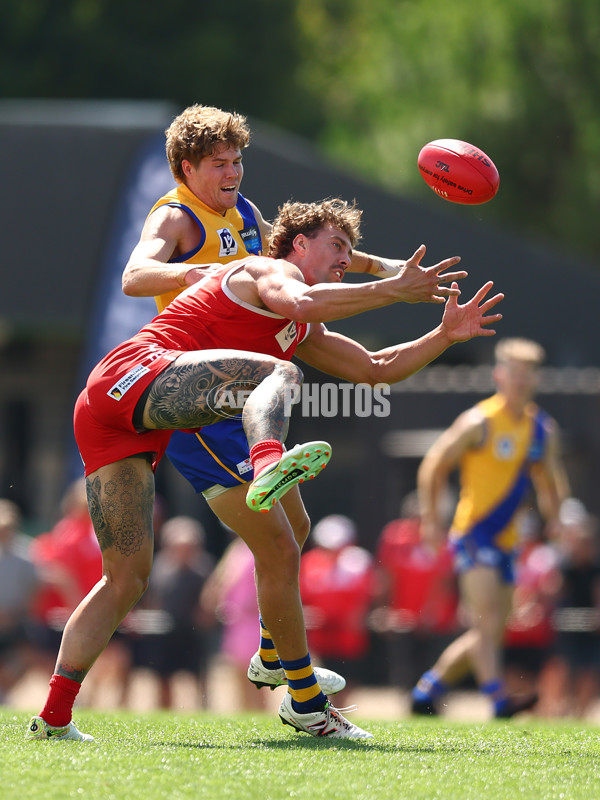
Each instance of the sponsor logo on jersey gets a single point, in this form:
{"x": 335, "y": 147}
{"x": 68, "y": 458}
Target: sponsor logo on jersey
{"x": 244, "y": 466}
{"x": 126, "y": 382}
{"x": 287, "y": 336}
{"x": 251, "y": 239}
{"x": 229, "y": 245}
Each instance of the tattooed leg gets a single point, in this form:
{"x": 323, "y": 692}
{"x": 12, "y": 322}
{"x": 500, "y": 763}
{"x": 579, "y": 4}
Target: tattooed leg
{"x": 202, "y": 387}
{"x": 120, "y": 499}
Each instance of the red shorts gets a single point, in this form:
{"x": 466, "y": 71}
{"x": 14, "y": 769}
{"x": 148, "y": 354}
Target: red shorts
{"x": 104, "y": 410}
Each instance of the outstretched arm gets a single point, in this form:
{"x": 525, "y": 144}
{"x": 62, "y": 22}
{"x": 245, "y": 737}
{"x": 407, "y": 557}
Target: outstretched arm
{"x": 343, "y": 357}
{"x": 280, "y": 287}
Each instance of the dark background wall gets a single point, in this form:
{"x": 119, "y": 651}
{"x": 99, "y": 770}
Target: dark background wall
{"x": 63, "y": 167}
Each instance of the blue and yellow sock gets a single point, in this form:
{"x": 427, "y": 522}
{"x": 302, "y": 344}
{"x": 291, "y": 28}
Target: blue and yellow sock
{"x": 429, "y": 687}
{"x": 266, "y": 651}
{"x": 496, "y": 691}
{"x": 302, "y": 685}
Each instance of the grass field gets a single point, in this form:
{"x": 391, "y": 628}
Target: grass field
{"x": 162, "y": 755}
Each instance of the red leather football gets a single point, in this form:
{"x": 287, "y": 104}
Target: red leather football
{"x": 458, "y": 171}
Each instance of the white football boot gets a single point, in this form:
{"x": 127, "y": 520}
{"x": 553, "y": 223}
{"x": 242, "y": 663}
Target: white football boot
{"x": 38, "y": 728}
{"x": 328, "y": 722}
{"x": 330, "y": 682}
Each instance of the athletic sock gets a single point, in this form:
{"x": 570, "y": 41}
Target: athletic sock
{"x": 429, "y": 687}
{"x": 59, "y": 703}
{"x": 266, "y": 651}
{"x": 265, "y": 453}
{"x": 307, "y": 696}
{"x": 496, "y": 691}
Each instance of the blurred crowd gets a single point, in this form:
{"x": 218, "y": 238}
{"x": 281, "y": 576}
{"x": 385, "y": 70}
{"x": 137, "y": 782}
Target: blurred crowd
{"x": 378, "y": 615}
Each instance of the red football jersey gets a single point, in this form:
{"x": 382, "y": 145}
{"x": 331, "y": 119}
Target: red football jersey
{"x": 209, "y": 315}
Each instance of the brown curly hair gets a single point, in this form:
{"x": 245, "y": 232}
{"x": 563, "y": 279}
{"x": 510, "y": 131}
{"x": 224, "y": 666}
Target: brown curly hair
{"x": 195, "y": 132}
{"x": 309, "y": 219}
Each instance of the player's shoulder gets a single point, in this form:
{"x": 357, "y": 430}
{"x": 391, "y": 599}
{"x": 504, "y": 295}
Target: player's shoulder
{"x": 471, "y": 418}
{"x": 468, "y": 429}
{"x": 169, "y": 214}
{"x": 259, "y": 266}
{"x": 547, "y": 421}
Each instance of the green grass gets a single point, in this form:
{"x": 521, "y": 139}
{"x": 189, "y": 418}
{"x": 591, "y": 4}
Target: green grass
{"x": 162, "y": 755}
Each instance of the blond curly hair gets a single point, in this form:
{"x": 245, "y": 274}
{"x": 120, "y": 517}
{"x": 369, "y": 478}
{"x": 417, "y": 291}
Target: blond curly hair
{"x": 309, "y": 219}
{"x": 197, "y": 130}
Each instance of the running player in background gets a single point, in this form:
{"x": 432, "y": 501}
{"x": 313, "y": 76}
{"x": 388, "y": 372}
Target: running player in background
{"x": 502, "y": 445}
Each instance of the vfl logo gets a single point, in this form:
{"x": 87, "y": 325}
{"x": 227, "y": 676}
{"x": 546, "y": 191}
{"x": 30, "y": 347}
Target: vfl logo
{"x": 505, "y": 448}
{"x": 287, "y": 336}
{"x": 228, "y": 243}
{"x": 442, "y": 166}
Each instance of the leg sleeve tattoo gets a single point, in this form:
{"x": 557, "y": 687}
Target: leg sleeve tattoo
{"x": 195, "y": 394}
{"x": 121, "y": 508}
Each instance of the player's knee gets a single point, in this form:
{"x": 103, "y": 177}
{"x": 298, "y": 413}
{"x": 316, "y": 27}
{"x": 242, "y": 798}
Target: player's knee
{"x": 128, "y": 587}
{"x": 280, "y": 561}
{"x": 289, "y": 562}
{"x": 302, "y": 529}
{"x": 489, "y": 624}
{"x": 291, "y": 372}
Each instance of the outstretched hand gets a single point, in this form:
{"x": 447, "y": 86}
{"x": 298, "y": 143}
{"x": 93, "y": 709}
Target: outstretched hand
{"x": 461, "y": 323}
{"x": 424, "y": 284}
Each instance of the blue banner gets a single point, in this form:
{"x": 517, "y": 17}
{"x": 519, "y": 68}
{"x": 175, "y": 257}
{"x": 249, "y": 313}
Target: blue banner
{"x": 115, "y": 317}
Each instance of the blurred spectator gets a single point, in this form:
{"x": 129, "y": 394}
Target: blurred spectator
{"x": 69, "y": 562}
{"x": 230, "y": 597}
{"x": 337, "y": 584}
{"x": 18, "y": 584}
{"x": 178, "y": 643}
{"x": 529, "y": 634}
{"x": 418, "y": 614}
{"x": 572, "y": 681}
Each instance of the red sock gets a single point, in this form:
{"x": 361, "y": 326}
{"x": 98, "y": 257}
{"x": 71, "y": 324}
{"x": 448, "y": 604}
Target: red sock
{"x": 59, "y": 703}
{"x": 265, "y": 453}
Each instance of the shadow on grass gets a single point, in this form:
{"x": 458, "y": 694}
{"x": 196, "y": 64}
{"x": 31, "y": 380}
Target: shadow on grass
{"x": 311, "y": 743}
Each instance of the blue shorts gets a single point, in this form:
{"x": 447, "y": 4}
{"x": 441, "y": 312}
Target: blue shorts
{"x": 216, "y": 455}
{"x": 470, "y": 551}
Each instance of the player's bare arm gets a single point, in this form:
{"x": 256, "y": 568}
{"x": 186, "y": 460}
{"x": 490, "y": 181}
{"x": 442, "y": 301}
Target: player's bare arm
{"x": 167, "y": 232}
{"x": 550, "y": 480}
{"x": 465, "y": 433}
{"x": 285, "y": 292}
{"x": 343, "y": 357}
{"x": 282, "y": 291}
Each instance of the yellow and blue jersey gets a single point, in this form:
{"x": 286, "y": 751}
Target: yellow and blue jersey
{"x": 222, "y": 237}
{"x": 496, "y": 476}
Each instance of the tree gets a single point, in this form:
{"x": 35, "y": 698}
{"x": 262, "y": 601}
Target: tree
{"x": 370, "y": 82}
{"x": 519, "y": 80}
